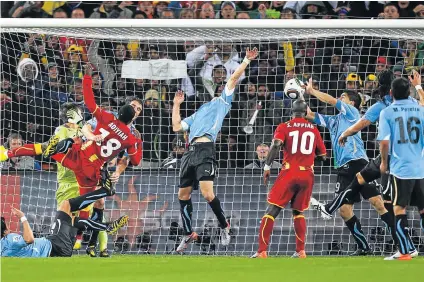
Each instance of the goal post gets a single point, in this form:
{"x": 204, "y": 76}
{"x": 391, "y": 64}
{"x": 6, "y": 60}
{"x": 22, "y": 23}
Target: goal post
{"x": 197, "y": 56}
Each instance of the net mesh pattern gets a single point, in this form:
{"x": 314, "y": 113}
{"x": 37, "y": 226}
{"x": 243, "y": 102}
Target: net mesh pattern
{"x": 336, "y": 59}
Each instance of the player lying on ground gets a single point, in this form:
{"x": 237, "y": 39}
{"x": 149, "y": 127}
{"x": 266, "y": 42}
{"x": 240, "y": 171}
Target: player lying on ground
{"x": 371, "y": 172}
{"x": 400, "y": 132}
{"x": 350, "y": 159}
{"x": 62, "y": 238}
{"x": 198, "y": 164}
{"x": 300, "y": 140}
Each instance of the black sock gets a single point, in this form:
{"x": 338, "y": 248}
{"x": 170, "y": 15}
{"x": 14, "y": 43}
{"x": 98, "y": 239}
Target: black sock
{"x": 356, "y": 229}
{"x": 402, "y": 233}
{"x": 389, "y": 221}
{"x": 85, "y": 200}
{"x": 342, "y": 198}
{"x": 186, "y": 210}
{"x": 422, "y": 221}
{"x": 215, "y": 205}
{"x": 97, "y": 215}
{"x": 89, "y": 224}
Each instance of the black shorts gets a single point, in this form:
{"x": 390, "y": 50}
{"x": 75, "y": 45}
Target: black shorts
{"x": 198, "y": 164}
{"x": 408, "y": 192}
{"x": 62, "y": 235}
{"x": 347, "y": 173}
{"x": 371, "y": 173}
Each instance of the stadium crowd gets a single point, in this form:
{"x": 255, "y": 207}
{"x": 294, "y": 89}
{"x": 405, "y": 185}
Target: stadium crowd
{"x": 30, "y": 109}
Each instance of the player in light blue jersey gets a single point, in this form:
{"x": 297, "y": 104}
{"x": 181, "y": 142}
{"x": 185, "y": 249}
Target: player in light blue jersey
{"x": 351, "y": 159}
{"x": 198, "y": 164}
{"x": 121, "y": 164}
{"x": 400, "y": 133}
{"x": 61, "y": 241}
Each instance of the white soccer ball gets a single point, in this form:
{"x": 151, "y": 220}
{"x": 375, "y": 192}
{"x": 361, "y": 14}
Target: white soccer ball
{"x": 294, "y": 89}
{"x": 27, "y": 69}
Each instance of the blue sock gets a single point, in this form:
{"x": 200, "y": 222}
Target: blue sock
{"x": 356, "y": 229}
{"x": 402, "y": 234}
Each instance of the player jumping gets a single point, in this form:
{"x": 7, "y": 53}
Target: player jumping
{"x": 372, "y": 171}
{"x": 301, "y": 141}
{"x": 111, "y": 136}
{"x": 61, "y": 241}
{"x": 198, "y": 164}
{"x": 400, "y": 133}
{"x": 351, "y": 159}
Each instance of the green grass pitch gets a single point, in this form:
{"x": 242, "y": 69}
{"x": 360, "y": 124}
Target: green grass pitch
{"x": 214, "y": 269}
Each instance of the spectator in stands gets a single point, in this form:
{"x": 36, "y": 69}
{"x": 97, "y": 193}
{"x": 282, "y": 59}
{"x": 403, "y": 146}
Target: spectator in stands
{"x": 398, "y": 71}
{"x": 228, "y": 10}
{"x": 174, "y": 159}
{"x": 53, "y": 88}
{"x": 187, "y": 14}
{"x": 288, "y": 14}
{"x": 109, "y": 9}
{"x": 153, "y": 52}
{"x": 406, "y": 8}
{"x": 271, "y": 112}
{"x": 78, "y": 14}
{"x": 59, "y": 13}
{"x": 160, "y": 6}
{"x": 262, "y": 152}
{"x": 381, "y": 64}
{"x": 207, "y": 11}
{"x": 14, "y": 115}
{"x": 106, "y": 66}
{"x": 167, "y": 14}
{"x": 353, "y": 81}
{"x": 224, "y": 55}
{"x": 226, "y": 150}
{"x": 14, "y": 140}
{"x": 251, "y": 7}
{"x": 28, "y": 9}
{"x": 391, "y": 11}
{"x": 147, "y": 8}
{"x": 243, "y": 15}
{"x": 219, "y": 75}
{"x": 370, "y": 85}
{"x": 74, "y": 67}
{"x": 419, "y": 11}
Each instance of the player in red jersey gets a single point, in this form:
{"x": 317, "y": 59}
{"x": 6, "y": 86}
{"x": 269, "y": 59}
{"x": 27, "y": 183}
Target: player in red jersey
{"x": 301, "y": 142}
{"x": 110, "y": 137}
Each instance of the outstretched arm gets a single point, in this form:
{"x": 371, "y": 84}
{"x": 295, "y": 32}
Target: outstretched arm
{"x": 415, "y": 80}
{"x": 323, "y": 97}
{"x": 250, "y": 55}
{"x": 87, "y": 88}
{"x": 176, "y": 117}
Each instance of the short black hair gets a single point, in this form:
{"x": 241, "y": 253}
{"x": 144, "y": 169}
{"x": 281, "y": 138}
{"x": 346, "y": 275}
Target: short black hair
{"x": 299, "y": 108}
{"x": 391, "y": 4}
{"x": 126, "y": 114}
{"x": 400, "y": 88}
{"x": 3, "y": 227}
{"x": 355, "y": 98}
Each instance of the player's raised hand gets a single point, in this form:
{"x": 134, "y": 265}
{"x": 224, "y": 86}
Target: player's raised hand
{"x": 267, "y": 173}
{"x": 308, "y": 86}
{"x": 88, "y": 69}
{"x": 251, "y": 54}
{"x": 179, "y": 97}
{"x": 415, "y": 78}
{"x": 17, "y": 212}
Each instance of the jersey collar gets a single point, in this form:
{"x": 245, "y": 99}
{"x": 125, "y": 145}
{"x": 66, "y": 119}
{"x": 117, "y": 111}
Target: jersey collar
{"x": 403, "y": 102}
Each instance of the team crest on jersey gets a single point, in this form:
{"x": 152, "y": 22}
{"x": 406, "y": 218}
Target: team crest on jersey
{"x": 15, "y": 239}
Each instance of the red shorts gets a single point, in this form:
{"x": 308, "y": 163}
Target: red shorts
{"x": 294, "y": 186}
{"x": 87, "y": 172}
